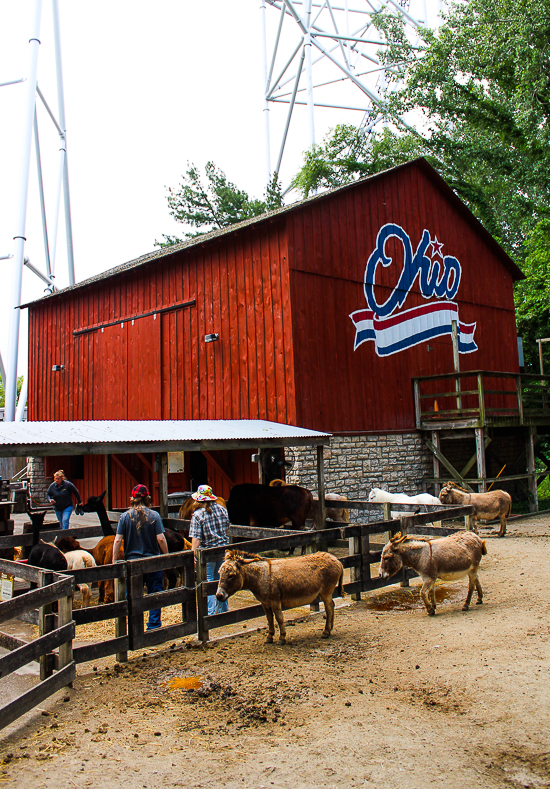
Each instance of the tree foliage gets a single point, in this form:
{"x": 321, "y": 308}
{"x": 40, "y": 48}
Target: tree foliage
{"x": 210, "y": 201}
{"x": 3, "y": 393}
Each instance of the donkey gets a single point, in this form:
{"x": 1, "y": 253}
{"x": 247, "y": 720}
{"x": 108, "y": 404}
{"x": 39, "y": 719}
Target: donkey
{"x": 448, "y": 558}
{"x": 495, "y": 504}
{"x": 279, "y": 583}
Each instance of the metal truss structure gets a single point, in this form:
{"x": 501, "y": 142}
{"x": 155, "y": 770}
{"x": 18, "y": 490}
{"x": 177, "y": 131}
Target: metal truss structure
{"x": 30, "y": 131}
{"x": 329, "y": 57}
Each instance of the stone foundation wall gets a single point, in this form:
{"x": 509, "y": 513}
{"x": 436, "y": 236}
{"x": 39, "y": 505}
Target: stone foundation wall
{"x": 38, "y": 484}
{"x": 398, "y": 462}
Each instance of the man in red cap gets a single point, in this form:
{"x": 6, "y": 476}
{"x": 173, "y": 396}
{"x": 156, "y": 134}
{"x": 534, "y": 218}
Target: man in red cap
{"x": 142, "y": 531}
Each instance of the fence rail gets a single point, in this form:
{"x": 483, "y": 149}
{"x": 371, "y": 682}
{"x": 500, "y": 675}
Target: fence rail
{"x": 57, "y": 631}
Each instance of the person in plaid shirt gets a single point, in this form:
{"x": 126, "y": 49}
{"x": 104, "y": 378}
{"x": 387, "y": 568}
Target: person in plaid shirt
{"x": 208, "y": 529}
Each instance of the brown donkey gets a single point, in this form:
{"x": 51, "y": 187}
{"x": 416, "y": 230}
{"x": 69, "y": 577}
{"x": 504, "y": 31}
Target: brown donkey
{"x": 448, "y": 558}
{"x": 279, "y": 583}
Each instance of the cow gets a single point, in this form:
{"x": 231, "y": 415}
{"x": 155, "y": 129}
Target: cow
{"x": 251, "y": 504}
{"x": 448, "y": 558}
{"x": 495, "y": 504}
{"x": 278, "y": 583}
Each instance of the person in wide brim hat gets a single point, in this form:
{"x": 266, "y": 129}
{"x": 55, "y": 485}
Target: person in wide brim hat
{"x": 208, "y": 529}
{"x": 203, "y": 493}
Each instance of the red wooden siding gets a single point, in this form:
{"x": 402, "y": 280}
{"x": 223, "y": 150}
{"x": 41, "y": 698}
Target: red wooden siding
{"x": 279, "y": 293}
{"x": 339, "y": 389}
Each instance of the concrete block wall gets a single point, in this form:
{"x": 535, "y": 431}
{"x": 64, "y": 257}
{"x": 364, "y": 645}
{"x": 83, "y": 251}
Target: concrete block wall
{"x": 38, "y": 484}
{"x": 398, "y": 462}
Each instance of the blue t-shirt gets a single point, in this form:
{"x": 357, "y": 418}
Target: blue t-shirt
{"x": 142, "y": 543}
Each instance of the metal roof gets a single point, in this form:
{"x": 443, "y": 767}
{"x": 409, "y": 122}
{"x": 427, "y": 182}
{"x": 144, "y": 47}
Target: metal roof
{"x": 38, "y": 439}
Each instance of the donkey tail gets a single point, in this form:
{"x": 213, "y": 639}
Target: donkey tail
{"x": 484, "y": 548}
{"x": 341, "y": 592}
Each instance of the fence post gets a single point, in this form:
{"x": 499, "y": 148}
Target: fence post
{"x": 469, "y": 522}
{"x": 386, "y": 506}
{"x": 202, "y": 601}
{"x": 134, "y": 583}
{"x": 45, "y": 623}
{"x": 403, "y": 523}
{"x": 121, "y": 623}
{"x": 64, "y": 616}
{"x": 355, "y": 574}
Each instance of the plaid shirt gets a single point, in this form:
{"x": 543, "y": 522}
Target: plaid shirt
{"x": 210, "y": 527}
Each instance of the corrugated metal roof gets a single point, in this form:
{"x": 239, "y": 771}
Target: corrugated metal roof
{"x": 213, "y": 234}
{"x": 106, "y": 437}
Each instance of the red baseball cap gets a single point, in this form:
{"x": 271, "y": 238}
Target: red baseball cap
{"x": 140, "y": 490}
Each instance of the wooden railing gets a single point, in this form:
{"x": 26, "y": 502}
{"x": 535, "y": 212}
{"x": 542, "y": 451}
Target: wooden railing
{"x": 481, "y": 397}
{"x": 56, "y": 631}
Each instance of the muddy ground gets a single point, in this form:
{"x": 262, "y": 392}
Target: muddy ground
{"x": 394, "y": 698}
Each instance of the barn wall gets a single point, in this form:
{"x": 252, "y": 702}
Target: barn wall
{"x": 330, "y": 241}
{"x": 158, "y": 366}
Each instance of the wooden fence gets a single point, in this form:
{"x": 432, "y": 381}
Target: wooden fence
{"x": 56, "y": 631}
{"x": 130, "y": 605}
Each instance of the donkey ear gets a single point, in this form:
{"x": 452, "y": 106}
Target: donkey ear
{"x": 396, "y": 537}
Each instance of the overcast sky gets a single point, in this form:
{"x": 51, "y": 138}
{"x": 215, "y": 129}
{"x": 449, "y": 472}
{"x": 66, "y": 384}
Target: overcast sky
{"x": 148, "y": 87}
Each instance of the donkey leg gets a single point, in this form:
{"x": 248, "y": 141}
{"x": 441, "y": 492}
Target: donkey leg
{"x": 329, "y": 613}
{"x": 270, "y": 624}
{"x": 471, "y": 586}
{"x": 426, "y": 594}
{"x": 502, "y": 530}
{"x": 479, "y": 591}
{"x": 281, "y": 622}
{"x": 474, "y": 524}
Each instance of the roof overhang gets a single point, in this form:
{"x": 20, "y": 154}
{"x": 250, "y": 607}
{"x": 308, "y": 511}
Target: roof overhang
{"x": 40, "y": 439}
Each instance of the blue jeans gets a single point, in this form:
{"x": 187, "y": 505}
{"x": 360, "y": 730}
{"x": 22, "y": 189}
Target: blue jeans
{"x": 213, "y": 574}
{"x": 63, "y": 516}
{"x": 154, "y": 583}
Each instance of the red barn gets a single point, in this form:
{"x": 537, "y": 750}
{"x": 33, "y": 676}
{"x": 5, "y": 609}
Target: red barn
{"x": 317, "y": 315}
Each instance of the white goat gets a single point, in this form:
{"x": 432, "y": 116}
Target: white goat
{"x": 377, "y": 494}
{"x": 79, "y": 560}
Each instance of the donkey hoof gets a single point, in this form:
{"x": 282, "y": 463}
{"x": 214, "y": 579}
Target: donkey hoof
{"x": 465, "y": 607}
{"x": 269, "y": 640}
{"x": 282, "y": 641}
{"x": 502, "y": 534}
{"x": 479, "y": 602}
{"x": 324, "y": 634}
{"x": 431, "y": 612}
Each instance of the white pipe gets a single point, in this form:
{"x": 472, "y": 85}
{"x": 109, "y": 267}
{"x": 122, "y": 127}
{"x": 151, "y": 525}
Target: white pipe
{"x": 20, "y": 225}
{"x": 47, "y": 279}
{"x": 55, "y": 226}
{"x": 41, "y": 193}
{"x": 265, "y": 92}
{"x": 309, "y": 77}
{"x": 63, "y": 123}
{"x": 289, "y": 116}
{"x": 22, "y": 402}
{"x": 12, "y": 82}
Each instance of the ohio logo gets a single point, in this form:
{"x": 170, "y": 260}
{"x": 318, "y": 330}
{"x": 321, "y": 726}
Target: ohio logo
{"x": 393, "y": 331}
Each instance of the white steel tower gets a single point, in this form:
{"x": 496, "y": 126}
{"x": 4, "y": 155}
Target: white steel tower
{"x": 30, "y": 130}
{"x": 324, "y": 54}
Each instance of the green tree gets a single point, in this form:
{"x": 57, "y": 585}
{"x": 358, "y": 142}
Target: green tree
{"x": 211, "y": 201}
{"x": 2, "y": 391}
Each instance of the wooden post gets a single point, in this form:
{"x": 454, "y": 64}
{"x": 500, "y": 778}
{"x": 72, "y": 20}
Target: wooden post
{"x": 417, "y": 403}
{"x": 107, "y": 483}
{"x": 386, "y": 508}
{"x": 322, "y": 510}
{"x": 121, "y": 624}
{"x": 481, "y": 399}
{"x": 456, "y": 364}
{"x": 134, "y": 581}
{"x": 202, "y": 601}
{"x": 532, "y": 481}
{"x": 403, "y": 522}
{"x": 163, "y": 486}
{"x": 519, "y": 393}
{"x": 436, "y": 441}
{"x": 480, "y": 458}
{"x": 541, "y": 360}
{"x": 64, "y": 616}
{"x": 45, "y": 623}
{"x": 354, "y": 547}
{"x": 469, "y": 522}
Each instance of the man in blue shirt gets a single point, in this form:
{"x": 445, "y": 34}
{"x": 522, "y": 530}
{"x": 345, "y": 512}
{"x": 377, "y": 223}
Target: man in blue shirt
{"x": 142, "y": 531}
{"x": 60, "y": 494}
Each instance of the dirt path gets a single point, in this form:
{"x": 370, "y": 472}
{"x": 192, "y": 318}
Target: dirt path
{"x": 393, "y": 698}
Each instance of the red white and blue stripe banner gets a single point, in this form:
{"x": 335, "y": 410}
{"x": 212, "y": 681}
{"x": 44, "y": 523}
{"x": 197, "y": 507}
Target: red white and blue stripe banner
{"x": 411, "y": 327}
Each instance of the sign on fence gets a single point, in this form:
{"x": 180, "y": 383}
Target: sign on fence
{"x": 7, "y": 581}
